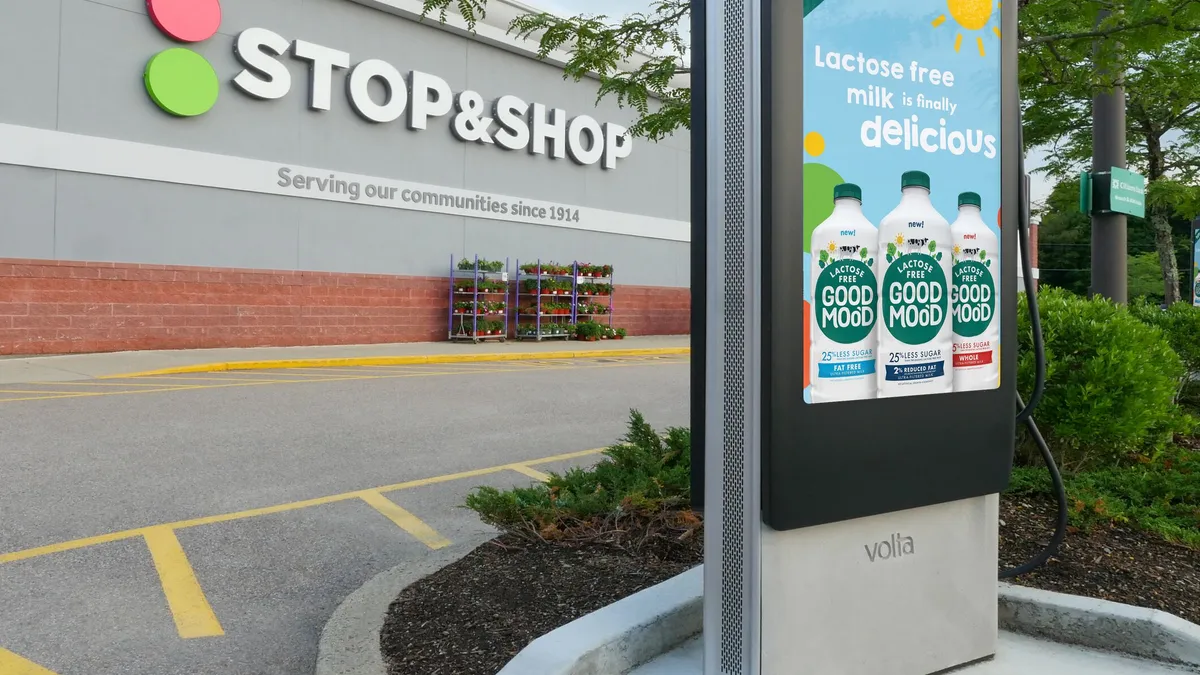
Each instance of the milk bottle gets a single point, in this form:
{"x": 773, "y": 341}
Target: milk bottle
{"x": 974, "y": 297}
{"x": 915, "y": 326}
{"x": 845, "y": 301}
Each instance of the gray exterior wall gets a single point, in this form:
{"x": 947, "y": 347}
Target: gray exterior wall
{"x": 76, "y": 66}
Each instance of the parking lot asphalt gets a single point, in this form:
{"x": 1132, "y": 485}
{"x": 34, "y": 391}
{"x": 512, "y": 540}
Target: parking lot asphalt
{"x": 209, "y": 523}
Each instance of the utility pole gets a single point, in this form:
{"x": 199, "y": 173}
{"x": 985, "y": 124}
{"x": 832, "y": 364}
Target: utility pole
{"x": 1110, "y": 274}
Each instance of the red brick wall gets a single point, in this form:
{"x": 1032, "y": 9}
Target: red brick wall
{"x": 58, "y": 307}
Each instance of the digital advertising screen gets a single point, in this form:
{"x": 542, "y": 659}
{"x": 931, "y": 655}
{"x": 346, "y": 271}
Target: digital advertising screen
{"x": 901, "y": 189}
{"x": 891, "y": 201}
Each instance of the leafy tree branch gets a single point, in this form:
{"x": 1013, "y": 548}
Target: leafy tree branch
{"x": 1067, "y": 53}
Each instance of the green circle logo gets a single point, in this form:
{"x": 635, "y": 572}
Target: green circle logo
{"x": 974, "y": 298}
{"x": 844, "y": 301}
{"x": 182, "y": 82}
{"x": 915, "y": 301}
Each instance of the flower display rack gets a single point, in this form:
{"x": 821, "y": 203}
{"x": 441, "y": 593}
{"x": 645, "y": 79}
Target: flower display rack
{"x": 551, "y": 299}
{"x": 545, "y": 300}
{"x": 478, "y": 300}
{"x": 593, "y": 293}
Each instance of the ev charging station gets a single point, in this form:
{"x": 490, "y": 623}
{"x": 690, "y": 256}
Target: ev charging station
{"x": 861, "y": 196}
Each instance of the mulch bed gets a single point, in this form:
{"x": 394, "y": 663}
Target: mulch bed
{"x": 1109, "y": 563}
{"x": 472, "y": 617}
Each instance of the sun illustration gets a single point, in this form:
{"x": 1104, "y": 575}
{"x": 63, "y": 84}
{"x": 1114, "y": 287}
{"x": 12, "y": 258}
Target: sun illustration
{"x": 832, "y": 247}
{"x": 899, "y": 239}
{"x": 971, "y": 15}
{"x": 957, "y": 250}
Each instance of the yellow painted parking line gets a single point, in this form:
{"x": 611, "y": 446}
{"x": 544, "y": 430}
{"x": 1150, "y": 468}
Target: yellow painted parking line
{"x": 98, "y": 384}
{"x": 405, "y": 520}
{"x": 223, "y": 378}
{"x": 281, "y": 508}
{"x": 158, "y": 390}
{"x": 376, "y": 370}
{"x": 43, "y": 391}
{"x": 320, "y": 372}
{"x": 194, "y": 617}
{"x": 448, "y": 367}
{"x": 294, "y": 375}
{"x": 237, "y": 382}
{"x": 407, "y": 360}
{"x": 14, "y": 664}
{"x": 531, "y": 472}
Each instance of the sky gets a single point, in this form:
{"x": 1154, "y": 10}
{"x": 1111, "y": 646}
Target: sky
{"x": 608, "y": 7}
{"x": 1040, "y": 186}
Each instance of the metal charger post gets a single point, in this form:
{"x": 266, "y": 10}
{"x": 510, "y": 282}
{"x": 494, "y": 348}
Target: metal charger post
{"x": 855, "y": 535}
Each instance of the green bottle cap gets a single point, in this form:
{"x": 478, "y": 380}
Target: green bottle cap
{"x": 970, "y": 199}
{"x": 914, "y": 179}
{"x": 847, "y": 190}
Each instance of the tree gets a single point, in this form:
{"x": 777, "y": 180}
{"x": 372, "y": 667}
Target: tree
{"x": 1150, "y": 45}
{"x": 1064, "y": 246}
{"x": 1154, "y": 62}
{"x": 649, "y": 41}
{"x": 1145, "y": 279}
{"x": 602, "y": 46}
{"x": 1064, "y": 241}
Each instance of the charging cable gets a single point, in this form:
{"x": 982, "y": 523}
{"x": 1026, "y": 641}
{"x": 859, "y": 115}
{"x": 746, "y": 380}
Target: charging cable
{"x": 1039, "y": 386}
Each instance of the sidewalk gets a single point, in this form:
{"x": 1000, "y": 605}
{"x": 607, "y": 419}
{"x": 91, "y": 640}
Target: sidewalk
{"x": 72, "y": 367}
{"x": 1017, "y": 655}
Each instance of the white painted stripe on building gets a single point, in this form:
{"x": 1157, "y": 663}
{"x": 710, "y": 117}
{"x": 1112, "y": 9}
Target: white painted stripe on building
{"x": 49, "y": 149}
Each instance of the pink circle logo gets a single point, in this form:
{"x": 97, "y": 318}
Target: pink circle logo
{"x": 186, "y": 20}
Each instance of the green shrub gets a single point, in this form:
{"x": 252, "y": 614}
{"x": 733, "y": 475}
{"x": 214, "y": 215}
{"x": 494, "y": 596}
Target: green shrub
{"x": 641, "y": 477}
{"x": 1160, "y": 495}
{"x": 1180, "y": 322}
{"x": 1111, "y": 382}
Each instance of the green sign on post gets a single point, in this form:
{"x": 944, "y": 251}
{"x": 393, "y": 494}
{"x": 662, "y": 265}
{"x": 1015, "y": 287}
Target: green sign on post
{"x": 1127, "y": 193}
{"x": 1114, "y": 191}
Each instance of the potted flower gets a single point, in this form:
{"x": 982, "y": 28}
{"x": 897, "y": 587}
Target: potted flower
{"x": 620, "y": 334}
{"x": 586, "y": 331}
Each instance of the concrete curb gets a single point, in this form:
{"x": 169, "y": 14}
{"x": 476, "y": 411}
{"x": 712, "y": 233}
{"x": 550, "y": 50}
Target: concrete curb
{"x": 350, "y": 640}
{"x": 400, "y": 360}
{"x": 1099, "y": 624}
{"x": 621, "y": 636}
{"x": 633, "y": 631}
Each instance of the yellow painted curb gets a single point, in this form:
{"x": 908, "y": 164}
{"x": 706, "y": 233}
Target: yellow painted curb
{"x": 400, "y": 360}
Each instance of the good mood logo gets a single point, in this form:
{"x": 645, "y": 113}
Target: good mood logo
{"x": 185, "y": 84}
